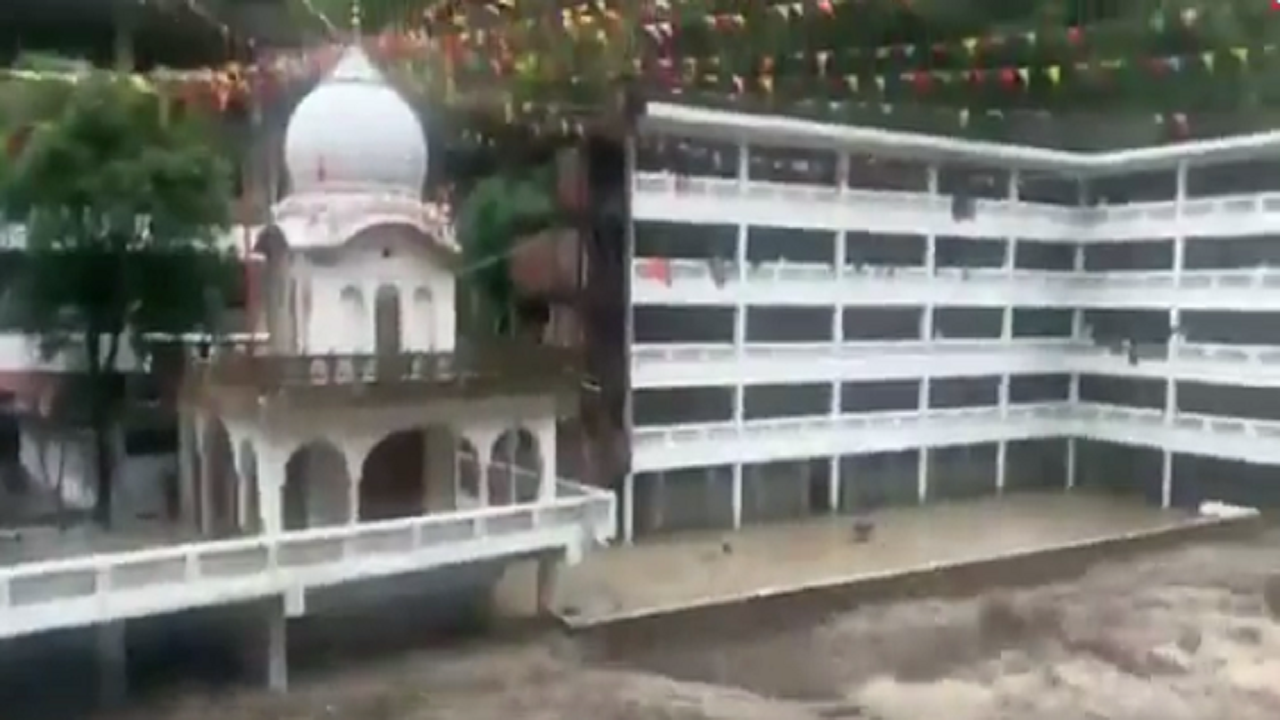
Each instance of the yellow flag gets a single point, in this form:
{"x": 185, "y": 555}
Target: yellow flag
{"x": 880, "y": 82}
{"x": 971, "y": 44}
{"x": 1024, "y": 75}
{"x": 1241, "y": 53}
{"x": 1054, "y": 73}
{"x": 1207, "y": 59}
{"x": 852, "y": 82}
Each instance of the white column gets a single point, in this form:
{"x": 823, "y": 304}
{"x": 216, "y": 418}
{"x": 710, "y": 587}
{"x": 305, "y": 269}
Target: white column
{"x": 482, "y": 439}
{"x": 837, "y": 341}
{"x": 547, "y": 446}
{"x": 1077, "y": 334}
{"x": 740, "y": 347}
{"x": 353, "y": 491}
{"x": 926, "y": 335}
{"x": 206, "y": 480}
{"x": 1002, "y": 447}
{"x": 1006, "y": 340}
{"x": 628, "y": 508}
{"x": 188, "y": 452}
{"x": 1175, "y": 322}
{"x": 244, "y": 473}
{"x": 627, "y": 501}
{"x": 1011, "y": 247}
{"x": 271, "y": 479}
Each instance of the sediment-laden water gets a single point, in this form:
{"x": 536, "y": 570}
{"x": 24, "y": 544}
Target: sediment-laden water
{"x": 1187, "y": 635}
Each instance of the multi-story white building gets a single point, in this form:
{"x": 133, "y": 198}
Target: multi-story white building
{"x": 833, "y": 318}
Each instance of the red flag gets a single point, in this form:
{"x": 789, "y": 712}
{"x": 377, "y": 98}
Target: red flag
{"x": 657, "y": 269}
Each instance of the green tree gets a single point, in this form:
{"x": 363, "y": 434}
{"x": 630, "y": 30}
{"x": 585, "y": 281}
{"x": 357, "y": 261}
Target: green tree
{"x": 497, "y": 212}
{"x": 123, "y": 205}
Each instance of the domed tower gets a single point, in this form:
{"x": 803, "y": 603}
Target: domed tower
{"x": 364, "y": 404}
{"x": 356, "y": 261}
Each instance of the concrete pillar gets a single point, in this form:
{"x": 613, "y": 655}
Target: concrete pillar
{"x": 266, "y": 643}
{"x": 628, "y": 508}
{"x": 271, "y": 480}
{"x": 922, "y": 476}
{"x": 112, "y": 663}
{"x": 187, "y": 482}
{"x": 1071, "y": 463}
{"x": 546, "y": 436}
{"x": 735, "y": 496}
{"x": 206, "y": 479}
{"x": 547, "y": 582}
{"x": 833, "y": 484}
{"x": 354, "y": 453}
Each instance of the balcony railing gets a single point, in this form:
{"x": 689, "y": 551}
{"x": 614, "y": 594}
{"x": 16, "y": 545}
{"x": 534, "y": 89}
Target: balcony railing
{"x": 506, "y": 361}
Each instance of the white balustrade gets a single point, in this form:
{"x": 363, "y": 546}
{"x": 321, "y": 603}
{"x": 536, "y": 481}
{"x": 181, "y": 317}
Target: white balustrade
{"x": 95, "y": 588}
{"x": 781, "y": 283}
{"x": 659, "y": 448}
{"x": 671, "y": 366}
{"x": 663, "y": 196}
{"x": 669, "y": 447}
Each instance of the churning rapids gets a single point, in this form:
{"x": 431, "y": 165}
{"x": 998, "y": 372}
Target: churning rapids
{"x": 1188, "y": 635}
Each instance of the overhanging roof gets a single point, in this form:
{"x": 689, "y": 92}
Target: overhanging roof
{"x": 721, "y": 124}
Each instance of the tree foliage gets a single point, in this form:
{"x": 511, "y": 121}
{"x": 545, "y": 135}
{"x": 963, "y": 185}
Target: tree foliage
{"x": 495, "y": 214}
{"x": 123, "y": 205}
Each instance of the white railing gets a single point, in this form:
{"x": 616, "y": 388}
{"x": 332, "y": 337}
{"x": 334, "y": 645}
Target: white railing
{"x": 1229, "y": 356}
{"x": 1059, "y": 223}
{"x": 720, "y": 352}
{"x": 1037, "y": 221}
{"x": 94, "y": 588}
{"x": 1240, "y": 438}
{"x": 672, "y": 435}
{"x": 1262, "y": 355}
{"x": 810, "y": 283}
{"x": 1239, "y": 205}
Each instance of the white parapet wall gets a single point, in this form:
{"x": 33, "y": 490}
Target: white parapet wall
{"x": 96, "y": 589}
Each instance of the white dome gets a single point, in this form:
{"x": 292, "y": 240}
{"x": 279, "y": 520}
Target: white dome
{"x": 354, "y": 129}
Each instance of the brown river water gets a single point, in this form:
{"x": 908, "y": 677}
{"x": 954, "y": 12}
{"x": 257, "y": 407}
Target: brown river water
{"x": 1185, "y": 635}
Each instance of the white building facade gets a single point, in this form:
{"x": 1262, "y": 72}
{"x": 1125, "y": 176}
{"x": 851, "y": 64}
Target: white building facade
{"x": 830, "y": 319}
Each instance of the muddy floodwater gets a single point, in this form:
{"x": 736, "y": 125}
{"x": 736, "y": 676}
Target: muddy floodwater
{"x": 1182, "y": 635}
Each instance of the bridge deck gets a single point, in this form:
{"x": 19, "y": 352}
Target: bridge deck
{"x": 117, "y": 585}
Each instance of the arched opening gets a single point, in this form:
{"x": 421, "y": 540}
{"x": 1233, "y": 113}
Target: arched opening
{"x": 515, "y": 468}
{"x": 409, "y": 473}
{"x": 387, "y": 339}
{"x": 222, "y": 484}
{"x": 355, "y": 322}
{"x": 250, "y": 514}
{"x": 316, "y": 487}
{"x": 424, "y": 318}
